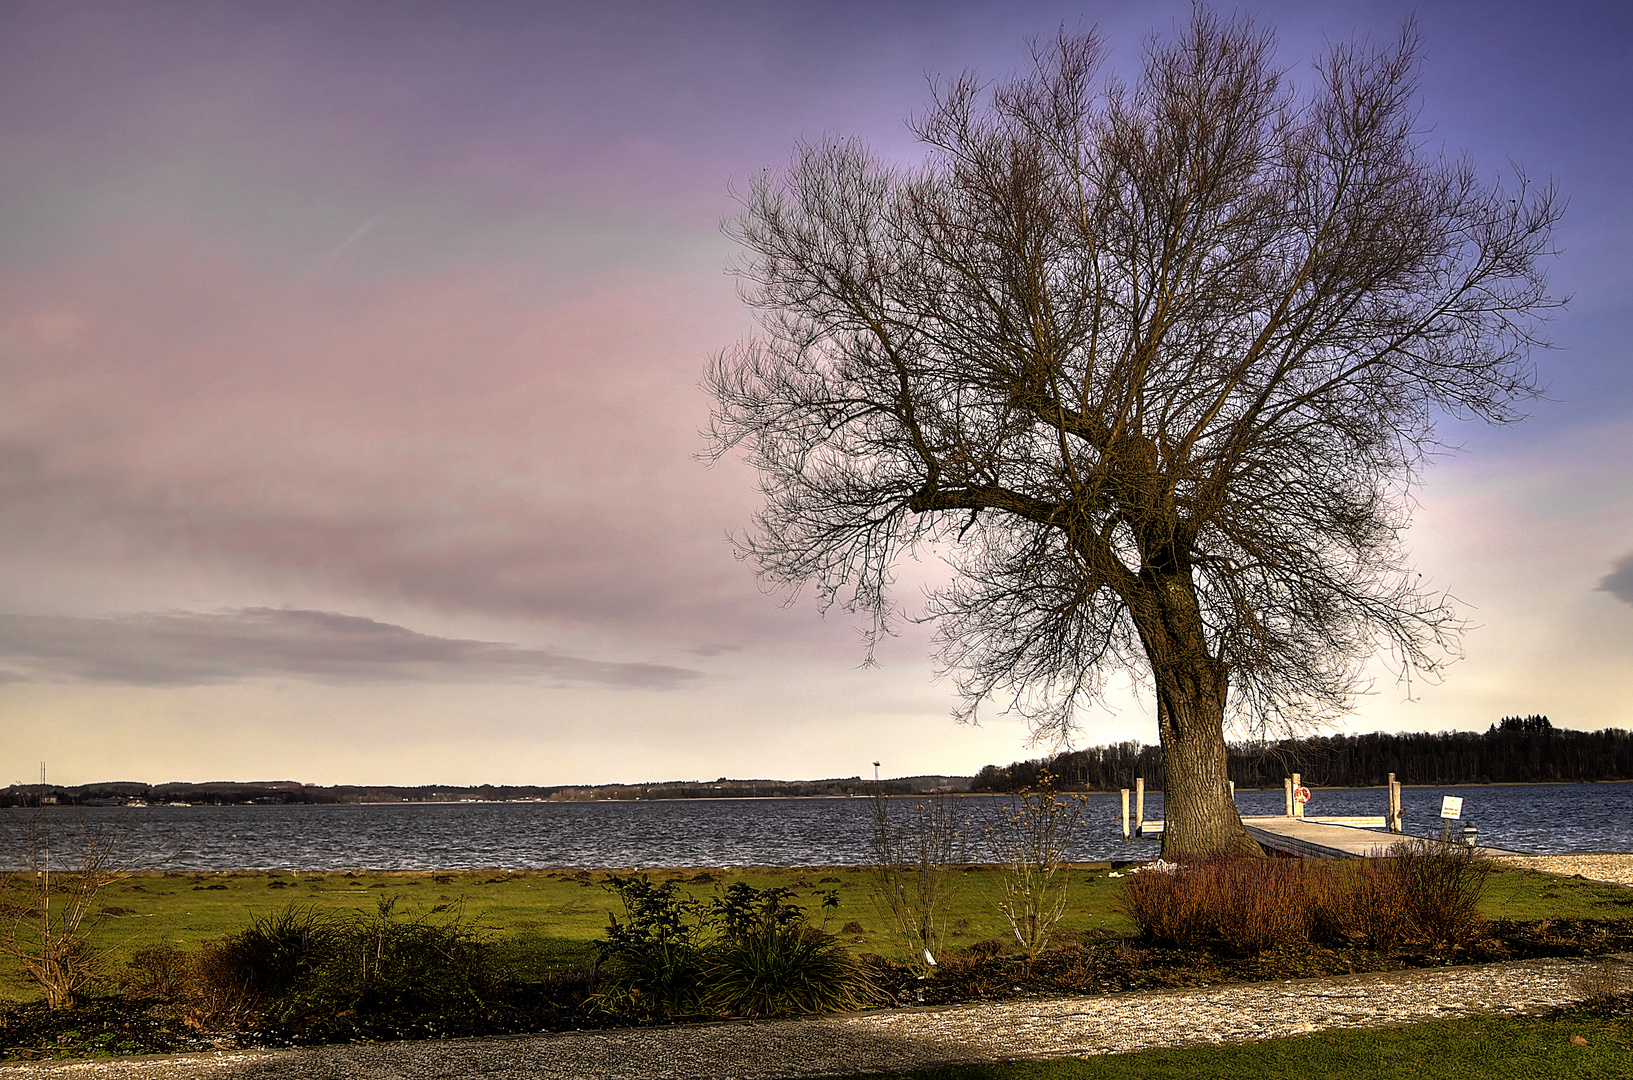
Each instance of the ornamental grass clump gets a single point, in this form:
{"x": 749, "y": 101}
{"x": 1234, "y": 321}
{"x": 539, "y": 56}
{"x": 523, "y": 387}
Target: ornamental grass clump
{"x": 770, "y": 961}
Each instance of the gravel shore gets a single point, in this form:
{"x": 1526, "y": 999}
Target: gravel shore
{"x": 1613, "y": 868}
{"x": 899, "y": 1039}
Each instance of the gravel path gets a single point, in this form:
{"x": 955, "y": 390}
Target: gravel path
{"x": 899, "y": 1039}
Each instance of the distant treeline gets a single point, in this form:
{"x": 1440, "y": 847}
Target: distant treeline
{"x": 1516, "y": 750}
{"x": 287, "y": 792}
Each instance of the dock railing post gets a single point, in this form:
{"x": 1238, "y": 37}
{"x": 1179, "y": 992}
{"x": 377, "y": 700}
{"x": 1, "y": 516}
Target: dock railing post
{"x": 1287, "y": 793}
{"x": 1139, "y": 805}
{"x": 1394, "y": 804}
{"x": 1125, "y": 813}
{"x": 1298, "y": 807}
{"x": 1231, "y": 785}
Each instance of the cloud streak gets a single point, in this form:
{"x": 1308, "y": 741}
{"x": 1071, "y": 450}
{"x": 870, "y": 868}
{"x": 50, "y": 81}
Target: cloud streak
{"x": 193, "y": 648}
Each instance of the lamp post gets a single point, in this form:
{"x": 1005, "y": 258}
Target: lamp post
{"x": 1470, "y": 835}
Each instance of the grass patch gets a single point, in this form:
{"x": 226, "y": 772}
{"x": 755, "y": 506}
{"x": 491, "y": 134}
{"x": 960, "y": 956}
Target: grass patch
{"x": 1485, "y": 1047}
{"x": 543, "y": 918}
{"x": 547, "y": 919}
{"x": 527, "y": 939}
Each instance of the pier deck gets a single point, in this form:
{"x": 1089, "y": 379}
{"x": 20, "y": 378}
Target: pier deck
{"x": 1313, "y": 839}
{"x": 1316, "y": 839}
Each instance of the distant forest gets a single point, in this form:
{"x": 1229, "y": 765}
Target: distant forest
{"x": 1516, "y": 750}
{"x": 291, "y": 792}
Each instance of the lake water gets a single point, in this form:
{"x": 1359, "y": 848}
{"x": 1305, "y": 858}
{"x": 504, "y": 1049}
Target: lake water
{"x": 1541, "y": 818}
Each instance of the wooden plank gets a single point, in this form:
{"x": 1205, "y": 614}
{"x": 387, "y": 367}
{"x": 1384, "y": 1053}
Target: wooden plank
{"x": 1375, "y": 821}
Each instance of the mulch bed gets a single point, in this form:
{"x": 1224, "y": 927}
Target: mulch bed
{"x": 117, "y": 1026}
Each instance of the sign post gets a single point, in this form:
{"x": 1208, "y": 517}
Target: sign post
{"x": 1451, "y": 808}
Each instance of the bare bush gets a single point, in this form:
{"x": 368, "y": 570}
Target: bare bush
{"x": 1029, "y": 832}
{"x": 916, "y": 847}
{"x": 1421, "y": 895}
{"x": 56, "y": 865}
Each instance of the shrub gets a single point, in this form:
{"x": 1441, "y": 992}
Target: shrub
{"x": 52, "y": 871}
{"x": 396, "y": 961}
{"x": 651, "y": 962}
{"x": 746, "y": 952}
{"x": 158, "y": 972}
{"x": 1168, "y": 906}
{"x": 1258, "y": 904}
{"x": 1029, "y": 832}
{"x": 300, "y": 963}
{"x": 914, "y": 852}
{"x": 1421, "y": 894}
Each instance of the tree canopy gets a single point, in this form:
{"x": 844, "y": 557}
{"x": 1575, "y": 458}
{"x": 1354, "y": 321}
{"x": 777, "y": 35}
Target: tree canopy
{"x": 1151, "y": 364}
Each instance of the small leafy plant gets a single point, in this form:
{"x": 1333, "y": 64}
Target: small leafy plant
{"x": 651, "y": 961}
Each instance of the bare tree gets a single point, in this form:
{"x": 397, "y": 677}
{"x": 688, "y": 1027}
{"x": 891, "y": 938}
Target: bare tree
{"x": 1152, "y": 366}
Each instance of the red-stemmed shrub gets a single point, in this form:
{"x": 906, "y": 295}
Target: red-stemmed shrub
{"x": 1420, "y": 895}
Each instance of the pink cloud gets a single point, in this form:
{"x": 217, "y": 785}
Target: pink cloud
{"x": 446, "y": 439}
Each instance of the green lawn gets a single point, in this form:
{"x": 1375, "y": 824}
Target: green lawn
{"x": 1477, "y": 1048}
{"x": 546, "y": 919}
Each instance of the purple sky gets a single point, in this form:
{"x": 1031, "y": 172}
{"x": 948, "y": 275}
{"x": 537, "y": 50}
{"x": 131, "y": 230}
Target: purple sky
{"x": 350, "y": 354}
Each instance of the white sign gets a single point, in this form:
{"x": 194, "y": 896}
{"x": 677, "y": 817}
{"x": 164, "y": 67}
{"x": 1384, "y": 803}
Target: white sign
{"x": 1451, "y": 808}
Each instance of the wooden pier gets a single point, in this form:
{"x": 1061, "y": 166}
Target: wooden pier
{"x": 1318, "y": 838}
{"x": 1293, "y": 833}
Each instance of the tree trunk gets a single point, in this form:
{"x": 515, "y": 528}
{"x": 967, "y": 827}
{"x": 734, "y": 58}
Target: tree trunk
{"x": 1200, "y": 818}
{"x": 1199, "y": 815}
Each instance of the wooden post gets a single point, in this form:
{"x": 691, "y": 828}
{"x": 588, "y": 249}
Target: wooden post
{"x": 1139, "y": 804}
{"x": 1231, "y": 784}
{"x": 1125, "y": 813}
{"x": 1394, "y": 819}
{"x": 1287, "y": 793}
{"x": 1298, "y": 807}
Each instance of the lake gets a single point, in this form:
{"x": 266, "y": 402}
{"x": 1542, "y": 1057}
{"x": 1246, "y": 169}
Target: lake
{"x": 1539, "y": 818}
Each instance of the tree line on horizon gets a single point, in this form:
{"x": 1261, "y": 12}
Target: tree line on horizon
{"x": 291, "y": 792}
{"x": 1515, "y": 750}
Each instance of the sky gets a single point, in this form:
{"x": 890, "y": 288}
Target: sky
{"x": 349, "y": 405}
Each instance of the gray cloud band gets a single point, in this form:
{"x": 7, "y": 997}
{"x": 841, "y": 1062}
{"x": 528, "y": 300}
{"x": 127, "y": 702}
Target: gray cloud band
{"x": 192, "y": 648}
